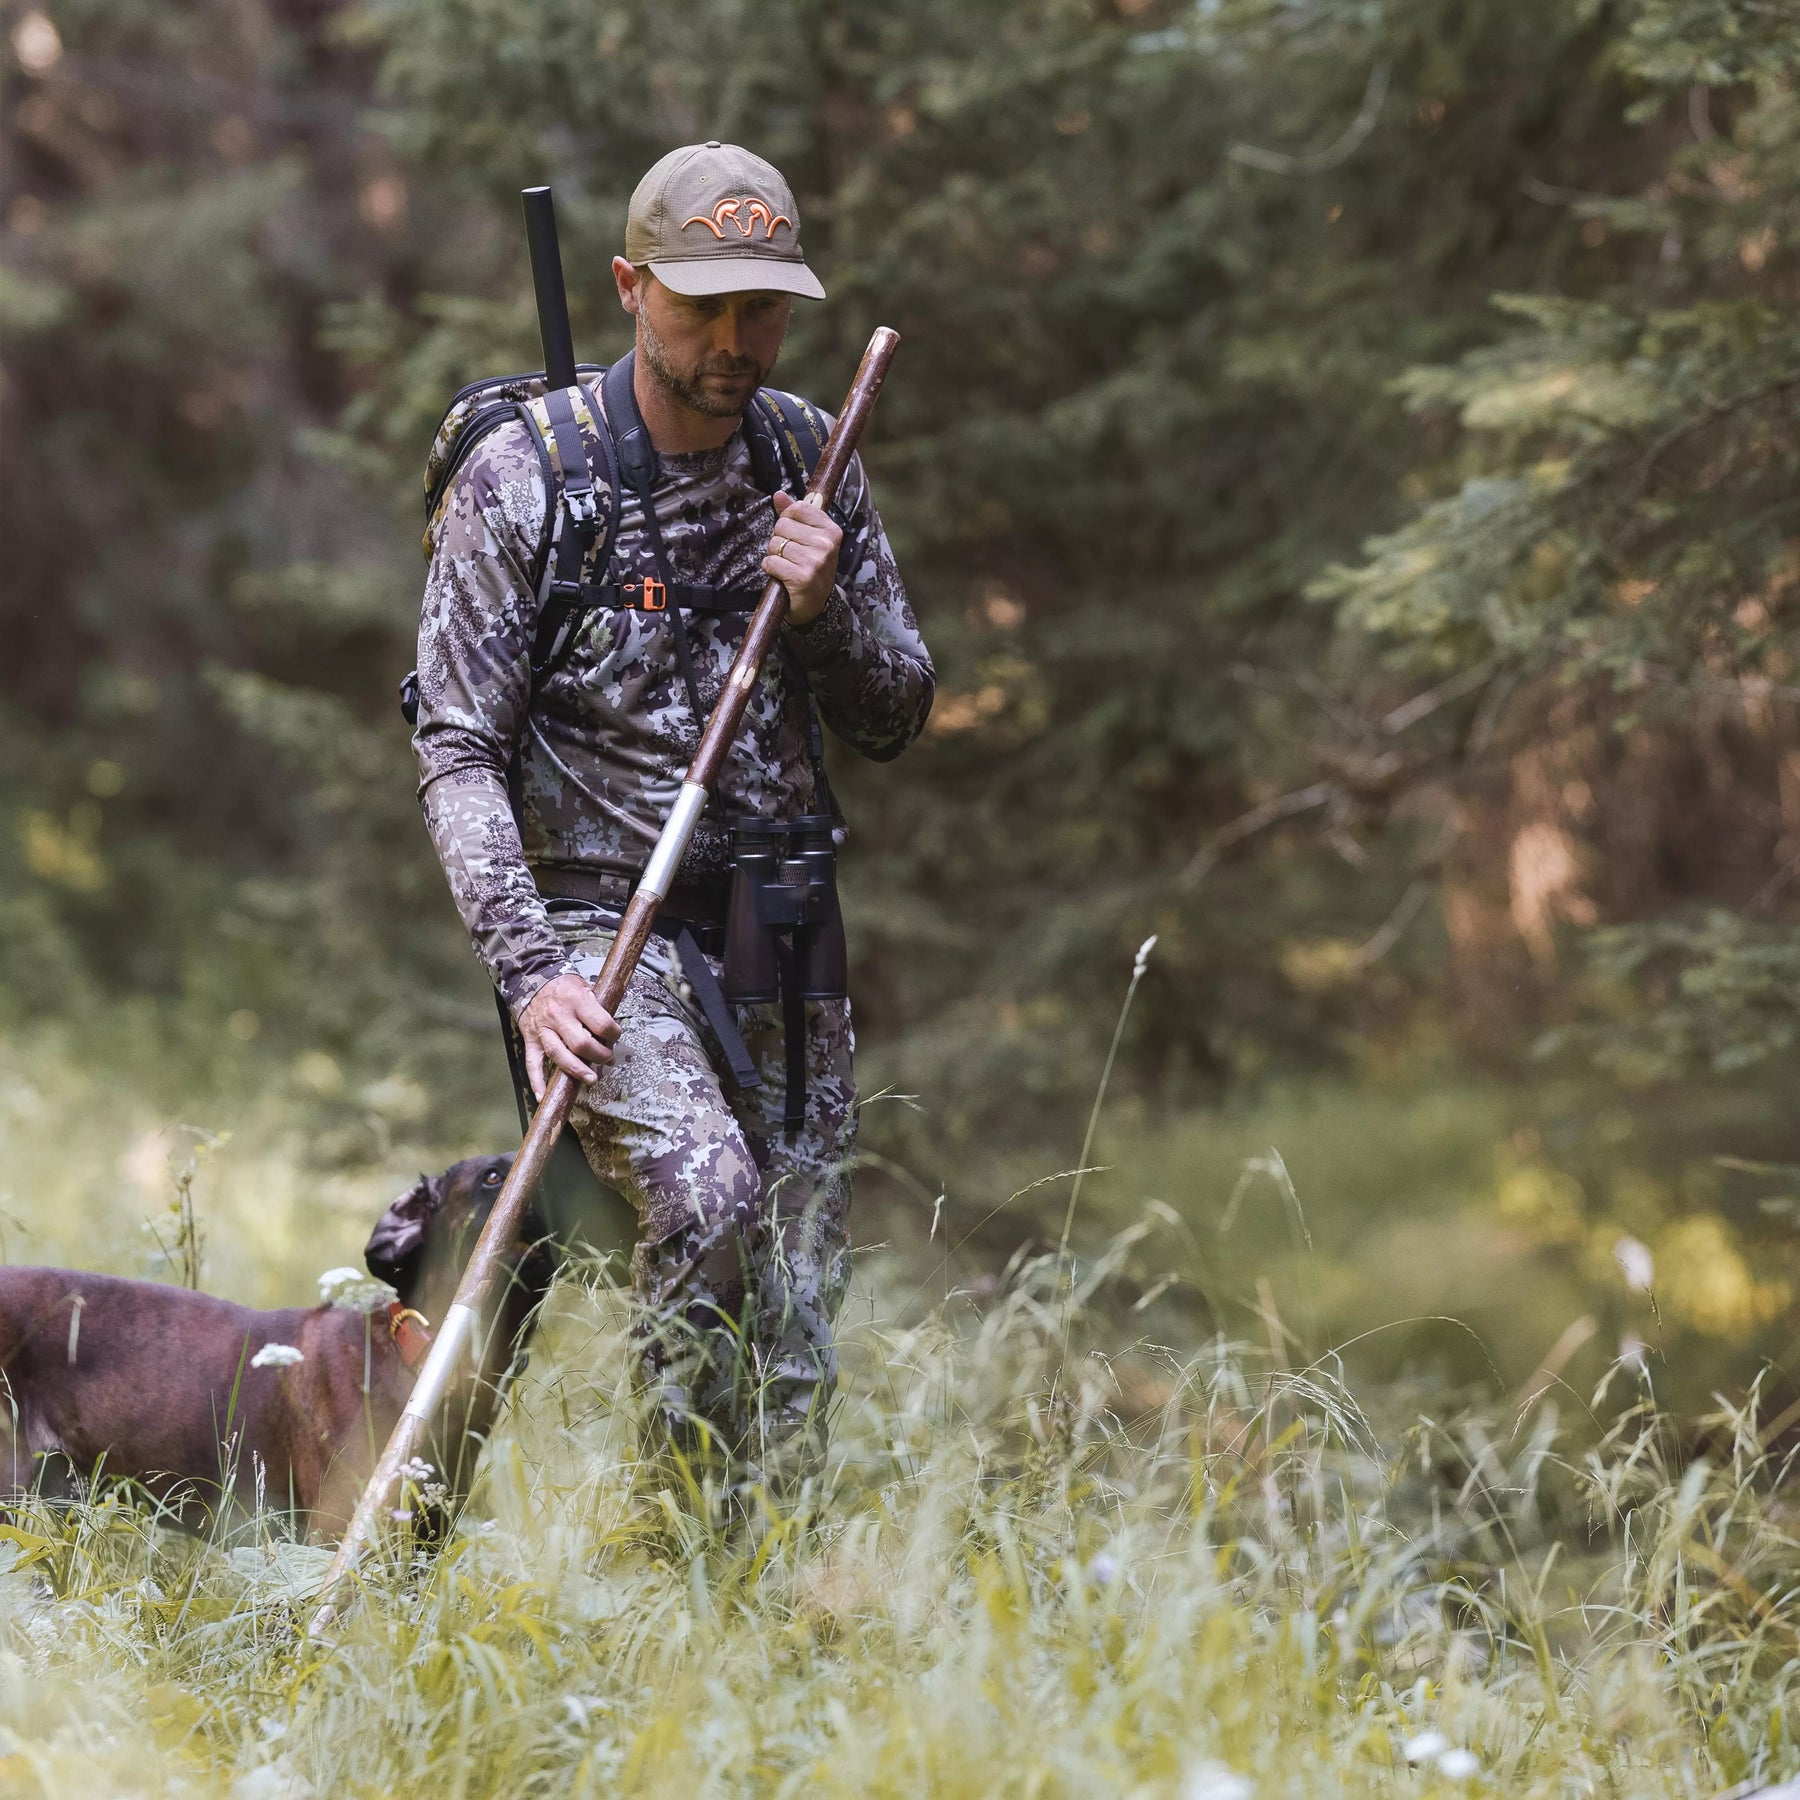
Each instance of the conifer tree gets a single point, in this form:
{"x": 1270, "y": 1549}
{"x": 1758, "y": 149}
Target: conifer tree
{"x": 1162, "y": 273}
{"x": 1615, "y": 564}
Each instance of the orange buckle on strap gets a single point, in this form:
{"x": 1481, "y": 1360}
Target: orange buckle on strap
{"x": 411, "y": 1333}
{"x": 656, "y": 595}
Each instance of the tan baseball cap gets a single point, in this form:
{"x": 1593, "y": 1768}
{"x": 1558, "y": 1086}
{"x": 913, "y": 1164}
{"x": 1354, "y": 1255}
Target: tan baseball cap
{"x": 713, "y": 219}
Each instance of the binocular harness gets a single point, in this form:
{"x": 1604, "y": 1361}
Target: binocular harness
{"x": 784, "y": 930}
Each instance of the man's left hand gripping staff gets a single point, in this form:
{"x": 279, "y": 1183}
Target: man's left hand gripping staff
{"x": 565, "y": 1023}
{"x": 803, "y": 556}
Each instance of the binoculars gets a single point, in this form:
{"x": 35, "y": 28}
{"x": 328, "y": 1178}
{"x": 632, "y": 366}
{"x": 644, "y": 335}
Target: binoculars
{"x": 783, "y": 928}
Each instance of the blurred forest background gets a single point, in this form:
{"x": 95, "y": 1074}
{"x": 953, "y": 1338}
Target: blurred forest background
{"x": 1343, "y": 457}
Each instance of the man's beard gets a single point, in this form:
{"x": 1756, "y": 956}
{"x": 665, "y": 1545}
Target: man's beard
{"x": 690, "y": 387}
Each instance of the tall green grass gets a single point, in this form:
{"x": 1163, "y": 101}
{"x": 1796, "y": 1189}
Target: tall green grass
{"x": 1082, "y": 1530}
{"x": 1032, "y": 1572}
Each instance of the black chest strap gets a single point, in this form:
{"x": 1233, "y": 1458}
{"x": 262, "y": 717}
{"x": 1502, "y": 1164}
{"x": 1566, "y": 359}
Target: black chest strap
{"x": 651, "y": 594}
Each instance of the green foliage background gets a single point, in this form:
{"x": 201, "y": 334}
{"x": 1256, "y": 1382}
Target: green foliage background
{"x": 1342, "y": 457}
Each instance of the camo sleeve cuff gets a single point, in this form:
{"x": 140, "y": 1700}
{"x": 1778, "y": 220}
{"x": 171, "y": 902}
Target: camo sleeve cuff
{"x": 826, "y": 639}
{"x": 522, "y": 987}
{"x": 863, "y": 656}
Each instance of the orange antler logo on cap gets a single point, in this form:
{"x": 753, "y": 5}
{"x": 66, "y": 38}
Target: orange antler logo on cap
{"x": 743, "y": 212}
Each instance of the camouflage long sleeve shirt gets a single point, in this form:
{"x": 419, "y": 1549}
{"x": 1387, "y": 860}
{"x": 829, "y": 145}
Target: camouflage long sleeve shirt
{"x": 603, "y": 746}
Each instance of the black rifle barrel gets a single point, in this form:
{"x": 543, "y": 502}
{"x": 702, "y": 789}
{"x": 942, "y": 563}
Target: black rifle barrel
{"x": 547, "y": 278}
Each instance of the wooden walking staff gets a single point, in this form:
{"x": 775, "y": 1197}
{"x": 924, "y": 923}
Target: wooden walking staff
{"x": 487, "y": 1264}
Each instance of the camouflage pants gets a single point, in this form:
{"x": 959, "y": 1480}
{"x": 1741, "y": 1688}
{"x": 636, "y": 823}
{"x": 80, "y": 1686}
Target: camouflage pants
{"x": 743, "y": 1254}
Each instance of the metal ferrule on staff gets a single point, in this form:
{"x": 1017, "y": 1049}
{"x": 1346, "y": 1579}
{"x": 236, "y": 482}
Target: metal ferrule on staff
{"x": 487, "y": 1264}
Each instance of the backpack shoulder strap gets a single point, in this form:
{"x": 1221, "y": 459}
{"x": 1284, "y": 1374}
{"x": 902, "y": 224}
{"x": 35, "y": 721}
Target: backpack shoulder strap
{"x": 581, "y": 496}
{"x": 794, "y": 430}
{"x": 785, "y": 424}
{"x": 584, "y": 515}
{"x": 635, "y": 453}
{"x": 448, "y": 458}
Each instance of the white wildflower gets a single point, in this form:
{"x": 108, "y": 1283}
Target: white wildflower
{"x": 1214, "y": 1781}
{"x": 277, "y": 1356}
{"x": 1428, "y": 1746}
{"x": 422, "y": 1478}
{"x": 1636, "y": 1263}
{"x": 353, "y": 1288}
{"x": 1143, "y": 956}
{"x": 1459, "y": 1765}
{"x": 1103, "y": 1569}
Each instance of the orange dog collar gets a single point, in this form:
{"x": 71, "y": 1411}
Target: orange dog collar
{"x": 411, "y": 1332}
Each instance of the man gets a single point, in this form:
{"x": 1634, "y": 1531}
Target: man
{"x": 543, "y": 806}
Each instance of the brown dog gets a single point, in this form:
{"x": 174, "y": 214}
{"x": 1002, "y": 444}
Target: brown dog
{"x": 157, "y": 1385}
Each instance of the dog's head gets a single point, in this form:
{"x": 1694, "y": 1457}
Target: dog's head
{"x": 422, "y": 1242}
